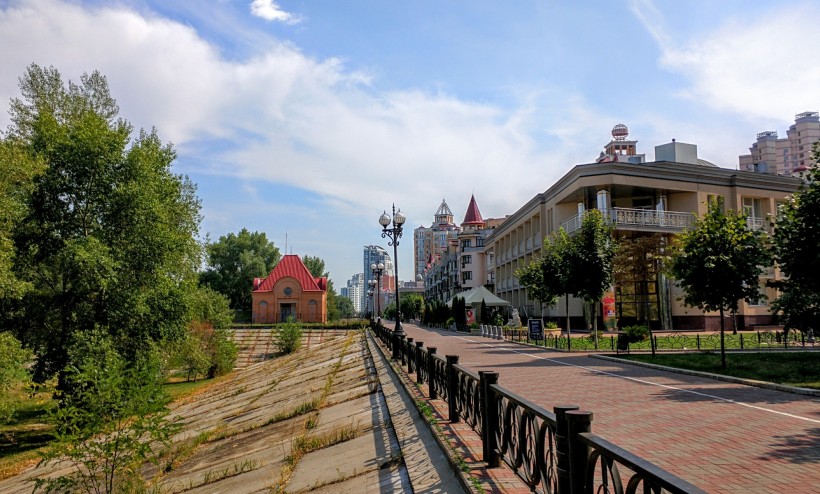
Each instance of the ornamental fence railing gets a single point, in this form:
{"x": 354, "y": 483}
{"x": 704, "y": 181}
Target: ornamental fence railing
{"x": 553, "y": 452}
{"x": 758, "y": 340}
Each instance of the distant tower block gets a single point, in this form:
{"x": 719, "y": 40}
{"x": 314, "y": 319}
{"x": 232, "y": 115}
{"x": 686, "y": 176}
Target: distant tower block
{"x": 620, "y": 132}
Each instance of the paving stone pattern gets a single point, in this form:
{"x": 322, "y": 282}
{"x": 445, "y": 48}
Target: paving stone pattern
{"x": 722, "y": 437}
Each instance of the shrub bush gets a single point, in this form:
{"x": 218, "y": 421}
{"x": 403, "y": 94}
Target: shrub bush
{"x": 636, "y": 333}
{"x": 550, "y": 325}
{"x": 289, "y": 336}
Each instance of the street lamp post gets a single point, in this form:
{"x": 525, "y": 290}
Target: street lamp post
{"x": 369, "y": 301}
{"x": 394, "y": 234}
{"x": 377, "y": 269}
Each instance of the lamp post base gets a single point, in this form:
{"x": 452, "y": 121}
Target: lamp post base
{"x": 398, "y": 338}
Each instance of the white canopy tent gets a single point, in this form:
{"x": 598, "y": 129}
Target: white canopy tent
{"x": 474, "y": 296}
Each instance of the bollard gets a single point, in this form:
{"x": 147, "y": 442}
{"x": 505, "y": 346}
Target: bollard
{"x": 419, "y": 358}
{"x": 452, "y": 390}
{"x": 578, "y": 422}
{"x": 431, "y": 373}
{"x": 489, "y": 414}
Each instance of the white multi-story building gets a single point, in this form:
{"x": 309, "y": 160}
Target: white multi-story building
{"x": 639, "y": 199}
{"x": 771, "y": 154}
{"x": 356, "y": 292}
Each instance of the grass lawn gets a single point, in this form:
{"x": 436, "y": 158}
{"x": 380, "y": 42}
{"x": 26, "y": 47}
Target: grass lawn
{"x": 22, "y": 441}
{"x": 801, "y": 369}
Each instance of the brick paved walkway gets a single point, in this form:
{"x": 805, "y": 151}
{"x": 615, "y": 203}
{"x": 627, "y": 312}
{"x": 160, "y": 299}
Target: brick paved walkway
{"x": 720, "y": 436}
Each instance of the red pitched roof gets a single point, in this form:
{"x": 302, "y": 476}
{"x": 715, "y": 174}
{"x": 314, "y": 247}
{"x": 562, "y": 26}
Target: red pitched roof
{"x": 291, "y": 266}
{"x": 473, "y": 216}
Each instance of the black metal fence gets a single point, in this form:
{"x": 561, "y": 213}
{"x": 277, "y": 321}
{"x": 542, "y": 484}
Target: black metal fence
{"x": 759, "y": 340}
{"x": 552, "y": 452}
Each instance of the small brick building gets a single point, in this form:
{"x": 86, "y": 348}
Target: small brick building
{"x": 289, "y": 290}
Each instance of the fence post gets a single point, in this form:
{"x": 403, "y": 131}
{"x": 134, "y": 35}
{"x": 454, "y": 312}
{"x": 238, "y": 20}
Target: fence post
{"x": 578, "y": 422}
{"x": 741, "y": 341}
{"x": 409, "y": 355}
{"x": 431, "y": 373}
{"x": 452, "y": 390}
{"x": 400, "y": 348}
{"x": 697, "y": 337}
{"x": 562, "y": 446}
{"x": 489, "y": 413}
{"x": 419, "y": 358}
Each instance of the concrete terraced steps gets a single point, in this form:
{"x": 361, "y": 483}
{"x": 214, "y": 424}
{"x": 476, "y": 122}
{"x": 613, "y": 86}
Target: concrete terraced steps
{"x": 241, "y": 433}
{"x": 258, "y": 345}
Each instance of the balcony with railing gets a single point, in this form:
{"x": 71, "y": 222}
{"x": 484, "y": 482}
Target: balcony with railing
{"x": 754, "y": 223}
{"x": 638, "y": 219}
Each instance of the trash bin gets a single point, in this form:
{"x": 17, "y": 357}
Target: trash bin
{"x": 623, "y": 342}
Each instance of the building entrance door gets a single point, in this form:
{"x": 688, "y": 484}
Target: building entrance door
{"x": 286, "y": 311}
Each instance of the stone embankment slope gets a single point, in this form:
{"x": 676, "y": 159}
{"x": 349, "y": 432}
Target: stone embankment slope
{"x": 314, "y": 421}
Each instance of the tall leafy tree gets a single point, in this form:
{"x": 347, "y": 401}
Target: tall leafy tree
{"x": 234, "y": 261}
{"x": 796, "y": 237}
{"x": 108, "y": 236}
{"x": 718, "y": 263}
{"x": 17, "y": 171}
{"x": 531, "y": 277}
{"x": 594, "y": 249}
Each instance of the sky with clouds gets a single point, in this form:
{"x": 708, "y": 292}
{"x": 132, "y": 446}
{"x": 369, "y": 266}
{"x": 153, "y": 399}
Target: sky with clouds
{"x": 305, "y": 120}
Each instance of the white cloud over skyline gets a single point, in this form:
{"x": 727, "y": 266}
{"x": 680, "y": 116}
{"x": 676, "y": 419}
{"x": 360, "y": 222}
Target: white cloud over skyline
{"x": 345, "y": 148}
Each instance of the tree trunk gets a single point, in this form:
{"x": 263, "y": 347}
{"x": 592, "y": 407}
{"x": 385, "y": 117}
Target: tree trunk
{"x": 722, "y": 342}
{"x": 569, "y": 333}
{"x": 595, "y": 322}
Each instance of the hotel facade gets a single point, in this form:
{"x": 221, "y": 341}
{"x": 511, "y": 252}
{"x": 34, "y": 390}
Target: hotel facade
{"x": 638, "y": 198}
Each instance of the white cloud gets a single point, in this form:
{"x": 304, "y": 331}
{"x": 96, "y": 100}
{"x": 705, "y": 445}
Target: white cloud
{"x": 270, "y": 11}
{"x": 283, "y": 117}
{"x": 760, "y": 66}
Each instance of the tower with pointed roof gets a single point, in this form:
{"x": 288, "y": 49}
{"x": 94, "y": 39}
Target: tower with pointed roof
{"x": 462, "y": 264}
{"x": 431, "y": 242}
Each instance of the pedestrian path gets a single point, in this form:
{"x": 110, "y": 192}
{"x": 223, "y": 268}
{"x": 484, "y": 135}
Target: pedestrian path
{"x": 722, "y": 437}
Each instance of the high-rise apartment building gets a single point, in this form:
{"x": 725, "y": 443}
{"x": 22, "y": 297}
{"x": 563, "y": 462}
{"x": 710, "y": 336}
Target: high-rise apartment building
{"x": 771, "y": 154}
{"x": 356, "y": 292}
{"x": 374, "y": 254}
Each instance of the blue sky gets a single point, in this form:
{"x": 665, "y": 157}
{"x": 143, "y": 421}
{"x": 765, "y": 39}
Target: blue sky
{"x": 306, "y": 120}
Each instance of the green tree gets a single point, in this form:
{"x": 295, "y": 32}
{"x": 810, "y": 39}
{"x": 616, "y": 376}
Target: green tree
{"x": 13, "y": 372}
{"x": 113, "y": 421}
{"x": 208, "y": 305}
{"x": 594, "y": 250}
{"x": 796, "y": 237}
{"x": 234, "y": 261}
{"x": 558, "y": 261}
{"x": 637, "y": 263}
{"x": 718, "y": 262}
{"x": 345, "y": 307}
{"x": 411, "y": 305}
{"x": 17, "y": 172}
{"x": 108, "y": 235}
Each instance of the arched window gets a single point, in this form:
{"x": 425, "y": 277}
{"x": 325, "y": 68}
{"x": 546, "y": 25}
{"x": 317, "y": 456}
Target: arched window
{"x": 262, "y": 312}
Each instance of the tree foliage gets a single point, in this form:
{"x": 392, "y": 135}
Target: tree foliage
{"x": 13, "y": 372}
{"x": 718, "y": 263}
{"x": 111, "y": 423}
{"x": 411, "y": 305}
{"x": 107, "y": 238}
{"x": 234, "y": 261}
{"x": 796, "y": 240}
